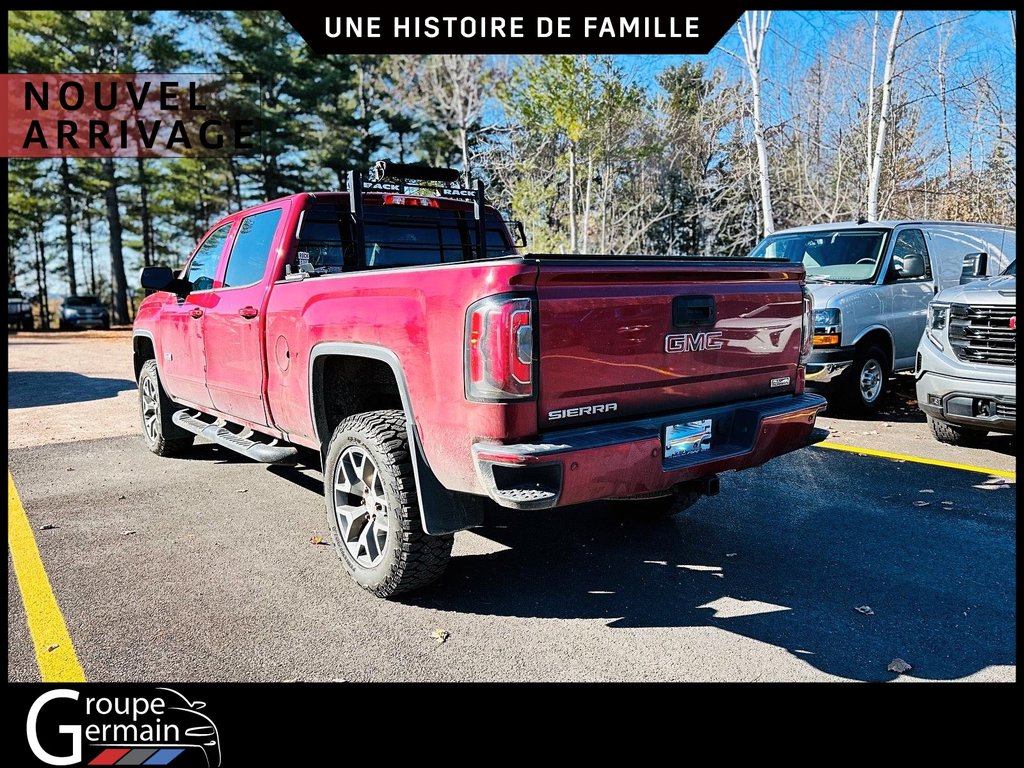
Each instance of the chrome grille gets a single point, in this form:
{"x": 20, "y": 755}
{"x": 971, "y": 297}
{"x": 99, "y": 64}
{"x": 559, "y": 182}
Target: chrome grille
{"x": 982, "y": 334}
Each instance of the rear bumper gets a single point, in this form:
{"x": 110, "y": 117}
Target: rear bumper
{"x": 627, "y": 458}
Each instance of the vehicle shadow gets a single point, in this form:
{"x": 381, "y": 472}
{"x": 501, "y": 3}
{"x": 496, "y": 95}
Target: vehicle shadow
{"x": 29, "y": 389}
{"x": 899, "y": 404}
{"x": 781, "y": 564}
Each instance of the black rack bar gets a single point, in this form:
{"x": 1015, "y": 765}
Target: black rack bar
{"x": 478, "y": 214}
{"x": 355, "y": 204}
{"x": 387, "y": 169}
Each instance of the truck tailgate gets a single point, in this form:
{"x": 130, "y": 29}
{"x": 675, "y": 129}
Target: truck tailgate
{"x": 621, "y": 339}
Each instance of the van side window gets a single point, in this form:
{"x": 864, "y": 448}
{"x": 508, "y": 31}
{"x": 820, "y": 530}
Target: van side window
{"x": 203, "y": 266}
{"x": 910, "y": 242}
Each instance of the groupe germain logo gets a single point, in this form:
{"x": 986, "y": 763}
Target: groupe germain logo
{"x": 164, "y": 728}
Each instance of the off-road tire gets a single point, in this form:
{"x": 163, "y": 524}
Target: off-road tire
{"x": 953, "y": 434}
{"x": 410, "y": 559}
{"x": 163, "y": 437}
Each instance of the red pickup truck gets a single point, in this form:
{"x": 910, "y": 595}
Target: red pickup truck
{"x": 431, "y": 364}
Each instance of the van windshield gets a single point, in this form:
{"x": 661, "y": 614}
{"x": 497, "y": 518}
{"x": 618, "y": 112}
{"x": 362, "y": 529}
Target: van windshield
{"x": 829, "y": 256}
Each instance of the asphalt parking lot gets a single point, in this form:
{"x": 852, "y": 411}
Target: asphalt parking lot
{"x": 204, "y": 568}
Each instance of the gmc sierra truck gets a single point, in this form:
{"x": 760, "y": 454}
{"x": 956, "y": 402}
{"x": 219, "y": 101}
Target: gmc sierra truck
{"x": 967, "y": 360}
{"x": 396, "y": 329}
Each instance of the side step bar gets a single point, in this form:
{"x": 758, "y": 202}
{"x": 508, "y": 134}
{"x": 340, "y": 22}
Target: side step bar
{"x": 267, "y": 453}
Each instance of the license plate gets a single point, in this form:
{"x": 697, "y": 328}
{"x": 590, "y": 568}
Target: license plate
{"x": 687, "y": 438}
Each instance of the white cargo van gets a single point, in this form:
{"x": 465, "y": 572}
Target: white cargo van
{"x": 871, "y": 283}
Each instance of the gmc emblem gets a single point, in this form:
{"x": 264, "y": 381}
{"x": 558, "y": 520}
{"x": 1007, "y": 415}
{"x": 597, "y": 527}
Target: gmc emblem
{"x": 693, "y": 342}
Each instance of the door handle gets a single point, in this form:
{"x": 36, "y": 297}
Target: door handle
{"x": 248, "y": 312}
{"x": 196, "y": 313}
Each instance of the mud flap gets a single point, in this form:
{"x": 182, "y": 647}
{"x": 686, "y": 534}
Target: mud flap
{"x": 441, "y": 510}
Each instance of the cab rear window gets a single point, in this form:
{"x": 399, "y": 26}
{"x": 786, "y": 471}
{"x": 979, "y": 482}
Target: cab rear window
{"x": 393, "y": 236}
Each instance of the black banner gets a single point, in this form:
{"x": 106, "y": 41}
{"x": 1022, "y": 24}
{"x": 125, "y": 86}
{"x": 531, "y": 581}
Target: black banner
{"x": 691, "y": 32}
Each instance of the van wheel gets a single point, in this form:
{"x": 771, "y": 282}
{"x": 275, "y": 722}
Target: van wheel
{"x": 953, "y": 434}
{"x": 372, "y": 509}
{"x": 866, "y": 381}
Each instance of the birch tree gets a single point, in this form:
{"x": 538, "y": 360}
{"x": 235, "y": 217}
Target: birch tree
{"x": 752, "y": 30}
{"x": 875, "y": 165}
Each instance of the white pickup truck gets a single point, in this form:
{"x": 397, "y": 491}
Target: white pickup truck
{"x": 967, "y": 360}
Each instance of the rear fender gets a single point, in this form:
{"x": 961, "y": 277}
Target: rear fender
{"x": 441, "y": 511}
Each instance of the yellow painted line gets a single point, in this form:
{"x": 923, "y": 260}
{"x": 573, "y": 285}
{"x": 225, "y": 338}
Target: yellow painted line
{"x": 45, "y": 621}
{"x": 920, "y": 460}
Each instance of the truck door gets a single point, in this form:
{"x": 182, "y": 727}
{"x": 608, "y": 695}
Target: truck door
{"x": 233, "y": 324}
{"x": 910, "y": 296}
{"x": 180, "y": 348}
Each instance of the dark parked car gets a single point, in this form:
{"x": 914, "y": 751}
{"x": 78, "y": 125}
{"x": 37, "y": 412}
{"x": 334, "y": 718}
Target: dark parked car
{"x": 19, "y": 311}
{"x": 83, "y": 312}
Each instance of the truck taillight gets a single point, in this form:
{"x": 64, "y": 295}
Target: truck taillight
{"x": 499, "y": 349}
{"x": 806, "y": 326}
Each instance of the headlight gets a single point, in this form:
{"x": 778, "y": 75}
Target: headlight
{"x": 70, "y": 313}
{"x": 938, "y": 319}
{"x": 828, "y": 327}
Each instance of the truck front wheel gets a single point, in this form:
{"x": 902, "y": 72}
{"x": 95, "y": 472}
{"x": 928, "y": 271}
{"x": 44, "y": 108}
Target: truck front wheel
{"x": 163, "y": 437}
{"x": 372, "y": 507}
{"x": 953, "y": 434}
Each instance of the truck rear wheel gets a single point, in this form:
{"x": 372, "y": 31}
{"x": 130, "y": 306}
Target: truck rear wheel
{"x": 372, "y": 507}
{"x": 953, "y": 434}
{"x": 163, "y": 437}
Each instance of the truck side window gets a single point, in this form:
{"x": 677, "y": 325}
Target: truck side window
{"x": 203, "y": 267}
{"x": 251, "y": 249}
{"x": 910, "y": 242}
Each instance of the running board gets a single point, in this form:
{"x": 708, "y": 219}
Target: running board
{"x": 266, "y": 453}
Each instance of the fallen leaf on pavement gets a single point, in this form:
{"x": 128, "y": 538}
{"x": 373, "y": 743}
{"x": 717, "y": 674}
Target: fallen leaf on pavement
{"x": 121, "y": 497}
{"x": 48, "y": 527}
{"x": 440, "y": 635}
{"x": 317, "y": 540}
{"x": 899, "y": 666}
{"x": 52, "y": 648}
{"x": 127, "y": 533}
{"x": 241, "y": 490}
{"x": 865, "y": 609}
{"x": 922, "y": 503}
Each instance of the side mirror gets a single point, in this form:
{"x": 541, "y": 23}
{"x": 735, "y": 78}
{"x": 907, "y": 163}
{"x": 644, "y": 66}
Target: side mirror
{"x": 975, "y": 267}
{"x": 163, "y": 279}
{"x": 518, "y": 233}
{"x": 913, "y": 266}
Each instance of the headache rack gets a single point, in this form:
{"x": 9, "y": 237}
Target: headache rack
{"x": 393, "y": 178}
